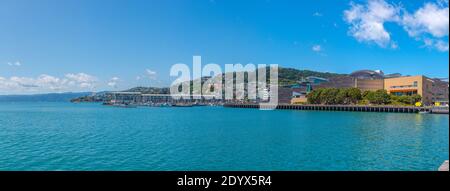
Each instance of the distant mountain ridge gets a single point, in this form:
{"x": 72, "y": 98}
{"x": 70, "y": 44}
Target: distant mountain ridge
{"x": 50, "y": 97}
{"x": 149, "y": 90}
{"x": 286, "y": 76}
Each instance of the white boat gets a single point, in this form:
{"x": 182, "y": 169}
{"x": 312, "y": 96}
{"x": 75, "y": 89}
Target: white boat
{"x": 125, "y": 105}
{"x": 182, "y": 105}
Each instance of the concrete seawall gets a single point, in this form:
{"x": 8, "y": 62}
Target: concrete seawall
{"x": 360, "y": 108}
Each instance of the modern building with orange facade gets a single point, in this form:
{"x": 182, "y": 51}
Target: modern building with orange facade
{"x": 431, "y": 90}
{"x": 411, "y": 85}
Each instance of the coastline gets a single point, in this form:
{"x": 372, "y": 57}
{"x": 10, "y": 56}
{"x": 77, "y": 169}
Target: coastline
{"x": 354, "y": 108}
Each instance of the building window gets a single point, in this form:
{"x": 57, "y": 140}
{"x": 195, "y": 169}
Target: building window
{"x": 415, "y": 84}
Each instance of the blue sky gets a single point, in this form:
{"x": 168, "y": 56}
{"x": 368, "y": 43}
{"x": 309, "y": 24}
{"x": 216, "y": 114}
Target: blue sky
{"x": 77, "y": 45}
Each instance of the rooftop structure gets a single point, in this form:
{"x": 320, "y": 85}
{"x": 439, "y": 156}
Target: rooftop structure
{"x": 316, "y": 80}
{"x": 394, "y": 75}
{"x": 368, "y": 74}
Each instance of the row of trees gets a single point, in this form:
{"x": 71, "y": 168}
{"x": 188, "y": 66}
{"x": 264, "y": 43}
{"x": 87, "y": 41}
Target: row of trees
{"x": 345, "y": 96}
{"x": 334, "y": 96}
{"x": 409, "y": 100}
{"x": 377, "y": 97}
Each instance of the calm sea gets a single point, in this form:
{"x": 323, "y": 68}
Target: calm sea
{"x": 66, "y": 136}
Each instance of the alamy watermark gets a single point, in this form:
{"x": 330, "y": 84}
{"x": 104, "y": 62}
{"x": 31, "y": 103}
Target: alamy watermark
{"x": 238, "y": 83}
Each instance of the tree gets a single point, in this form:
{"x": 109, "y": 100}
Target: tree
{"x": 395, "y": 97}
{"x": 365, "y": 94}
{"x": 314, "y": 96}
{"x": 369, "y": 96}
{"x": 404, "y": 99}
{"x": 378, "y": 97}
{"x": 354, "y": 95}
{"x": 328, "y": 95}
{"x": 342, "y": 96}
{"x": 416, "y": 98}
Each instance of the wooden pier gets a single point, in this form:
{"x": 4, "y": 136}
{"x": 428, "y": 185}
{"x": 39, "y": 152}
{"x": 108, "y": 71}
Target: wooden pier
{"x": 359, "y": 108}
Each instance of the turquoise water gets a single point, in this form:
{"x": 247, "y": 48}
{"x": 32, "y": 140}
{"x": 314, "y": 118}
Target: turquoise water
{"x": 66, "y": 136}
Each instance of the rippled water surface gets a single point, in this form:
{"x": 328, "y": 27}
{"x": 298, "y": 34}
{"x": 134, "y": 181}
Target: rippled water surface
{"x": 66, "y": 136}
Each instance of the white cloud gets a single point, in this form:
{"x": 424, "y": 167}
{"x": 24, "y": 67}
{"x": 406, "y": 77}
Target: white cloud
{"x": 431, "y": 19}
{"x": 6, "y": 83}
{"x": 437, "y": 44}
{"x": 113, "y": 82}
{"x": 316, "y": 48}
{"x": 44, "y": 78}
{"x": 42, "y": 82}
{"x": 150, "y": 74}
{"x": 51, "y": 82}
{"x": 80, "y": 77}
{"x": 317, "y": 14}
{"x": 441, "y": 45}
{"x": 394, "y": 45}
{"x": 84, "y": 80}
{"x": 85, "y": 85}
{"x": 429, "y": 23}
{"x": 17, "y": 63}
{"x": 47, "y": 83}
{"x": 367, "y": 21}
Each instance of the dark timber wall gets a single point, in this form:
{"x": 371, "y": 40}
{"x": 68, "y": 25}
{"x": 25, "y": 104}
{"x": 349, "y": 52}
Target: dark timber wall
{"x": 359, "y": 108}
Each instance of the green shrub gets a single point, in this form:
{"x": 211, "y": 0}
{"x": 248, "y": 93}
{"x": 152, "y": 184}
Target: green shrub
{"x": 354, "y": 96}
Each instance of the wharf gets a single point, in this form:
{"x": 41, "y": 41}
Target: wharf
{"x": 360, "y": 108}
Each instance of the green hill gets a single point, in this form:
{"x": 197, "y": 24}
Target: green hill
{"x": 149, "y": 90}
{"x": 289, "y": 76}
{"x": 286, "y": 76}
